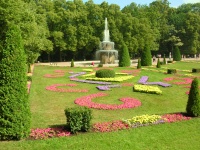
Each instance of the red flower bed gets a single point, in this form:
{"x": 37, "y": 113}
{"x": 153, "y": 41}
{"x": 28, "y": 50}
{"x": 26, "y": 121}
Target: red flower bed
{"x": 185, "y": 80}
{"x": 175, "y": 117}
{"x": 110, "y": 126}
{"x": 48, "y": 133}
{"x": 58, "y": 73}
{"x": 54, "y": 88}
{"x": 127, "y": 84}
{"x": 87, "y": 101}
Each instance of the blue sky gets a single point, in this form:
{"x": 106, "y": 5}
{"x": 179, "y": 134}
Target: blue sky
{"x": 122, "y": 3}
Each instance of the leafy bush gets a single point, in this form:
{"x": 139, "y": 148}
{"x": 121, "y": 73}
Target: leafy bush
{"x": 158, "y": 63}
{"x": 193, "y": 104}
{"x": 170, "y": 61}
{"x": 146, "y": 57}
{"x": 72, "y": 63}
{"x": 171, "y": 71}
{"x": 105, "y": 73}
{"x": 139, "y": 64}
{"x": 14, "y": 104}
{"x": 176, "y": 54}
{"x": 195, "y": 69}
{"x": 29, "y": 78}
{"x": 164, "y": 61}
{"x": 124, "y": 60}
{"x": 78, "y": 119}
{"x": 100, "y": 65}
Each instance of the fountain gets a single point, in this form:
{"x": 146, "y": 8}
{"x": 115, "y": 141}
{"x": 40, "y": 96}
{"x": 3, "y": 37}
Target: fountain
{"x": 106, "y": 53}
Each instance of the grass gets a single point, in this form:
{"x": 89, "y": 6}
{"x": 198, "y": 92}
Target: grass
{"x": 47, "y": 109}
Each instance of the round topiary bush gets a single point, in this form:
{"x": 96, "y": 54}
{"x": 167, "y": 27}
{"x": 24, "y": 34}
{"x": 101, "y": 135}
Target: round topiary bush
{"x": 105, "y": 73}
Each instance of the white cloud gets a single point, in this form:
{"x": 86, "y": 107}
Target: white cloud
{"x": 191, "y": 1}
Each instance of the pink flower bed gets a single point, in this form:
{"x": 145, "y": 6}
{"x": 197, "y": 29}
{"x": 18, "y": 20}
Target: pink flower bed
{"x": 48, "y": 133}
{"x": 175, "y": 117}
{"x": 87, "y": 101}
{"x": 185, "y": 80}
{"x": 58, "y": 73}
{"x": 54, "y": 88}
{"x": 110, "y": 126}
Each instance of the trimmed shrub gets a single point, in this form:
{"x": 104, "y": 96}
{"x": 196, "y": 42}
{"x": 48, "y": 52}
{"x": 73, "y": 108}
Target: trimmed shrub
{"x": 158, "y": 63}
{"x": 124, "y": 60}
{"x": 176, "y": 54}
{"x": 14, "y": 103}
{"x": 72, "y": 63}
{"x": 170, "y": 61}
{"x": 193, "y": 104}
{"x": 78, "y": 119}
{"x": 105, "y": 73}
{"x": 139, "y": 64}
{"x": 146, "y": 57}
{"x": 195, "y": 70}
{"x": 100, "y": 65}
{"x": 29, "y": 78}
{"x": 164, "y": 61}
{"x": 171, "y": 71}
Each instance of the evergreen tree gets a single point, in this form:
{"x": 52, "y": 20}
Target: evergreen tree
{"x": 193, "y": 104}
{"x": 124, "y": 60}
{"x": 158, "y": 63}
{"x": 72, "y": 63}
{"x": 14, "y": 104}
{"x": 176, "y": 54}
{"x": 164, "y": 61}
{"x": 139, "y": 64}
{"x": 146, "y": 57}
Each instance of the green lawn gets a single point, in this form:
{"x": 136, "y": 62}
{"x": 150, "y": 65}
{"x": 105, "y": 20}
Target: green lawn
{"x": 47, "y": 109}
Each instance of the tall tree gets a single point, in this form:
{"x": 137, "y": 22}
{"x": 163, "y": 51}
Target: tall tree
{"x": 14, "y": 104}
{"x": 146, "y": 58}
{"x": 124, "y": 60}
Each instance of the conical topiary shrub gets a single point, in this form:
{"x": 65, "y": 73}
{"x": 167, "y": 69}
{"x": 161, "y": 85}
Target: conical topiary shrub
{"x": 176, "y": 54}
{"x": 193, "y": 104}
{"x": 14, "y": 103}
{"x": 124, "y": 60}
{"x": 72, "y": 63}
{"x": 146, "y": 57}
{"x": 164, "y": 61}
{"x": 139, "y": 64}
{"x": 158, "y": 64}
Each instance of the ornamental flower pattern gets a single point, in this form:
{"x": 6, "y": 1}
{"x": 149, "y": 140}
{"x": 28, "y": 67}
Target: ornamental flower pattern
{"x": 107, "y": 87}
{"x": 185, "y": 80}
{"x": 87, "y": 101}
{"x": 144, "y": 79}
{"x": 54, "y": 88}
{"x": 58, "y": 73}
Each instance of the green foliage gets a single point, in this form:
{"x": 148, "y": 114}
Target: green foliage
{"x": 193, "y": 104}
{"x": 124, "y": 60}
{"x": 72, "y": 63}
{"x": 171, "y": 71}
{"x": 100, "y": 65}
{"x": 78, "y": 119}
{"x": 105, "y": 73}
{"x": 14, "y": 104}
{"x": 158, "y": 64}
{"x": 29, "y": 78}
{"x": 195, "y": 70}
{"x": 170, "y": 61}
{"x": 176, "y": 54}
{"x": 139, "y": 64}
{"x": 146, "y": 57}
{"x": 164, "y": 61}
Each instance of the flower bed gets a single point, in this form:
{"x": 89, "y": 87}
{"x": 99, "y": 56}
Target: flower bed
{"x": 107, "y": 87}
{"x": 144, "y": 120}
{"x": 54, "y": 88}
{"x": 87, "y": 101}
{"x": 58, "y": 73}
{"x": 116, "y": 79}
{"x": 91, "y": 82}
{"x": 76, "y": 74}
{"x": 185, "y": 80}
{"x": 175, "y": 117}
{"x": 146, "y": 89}
{"x": 127, "y": 84}
{"x": 110, "y": 126}
{"x": 48, "y": 133}
{"x": 144, "y": 79}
